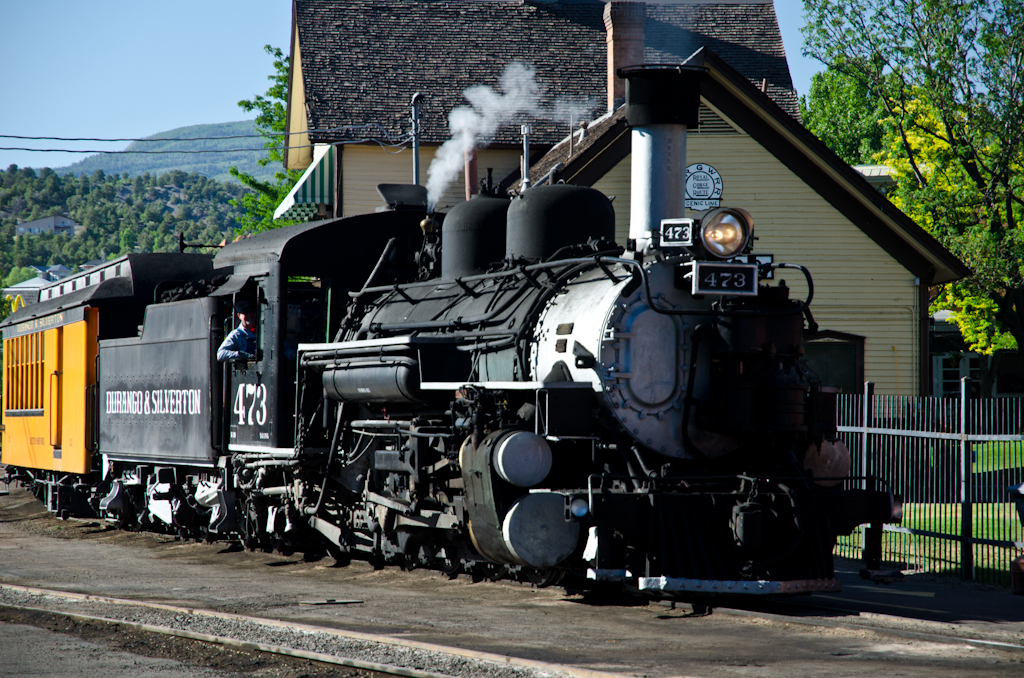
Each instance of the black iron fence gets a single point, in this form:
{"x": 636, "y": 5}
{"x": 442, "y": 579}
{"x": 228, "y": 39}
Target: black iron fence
{"x": 953, "y": 462}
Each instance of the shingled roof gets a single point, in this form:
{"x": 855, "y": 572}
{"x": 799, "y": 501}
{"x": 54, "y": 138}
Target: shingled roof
{"x": 745, "y": 36}
{"x": 363, "y": 59}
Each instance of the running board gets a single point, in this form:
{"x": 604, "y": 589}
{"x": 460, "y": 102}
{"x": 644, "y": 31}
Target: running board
{"x": 755, "y": 588}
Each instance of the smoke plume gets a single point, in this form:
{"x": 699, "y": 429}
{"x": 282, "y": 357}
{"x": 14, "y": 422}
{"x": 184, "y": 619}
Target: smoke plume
{"x": 474, "y": 126}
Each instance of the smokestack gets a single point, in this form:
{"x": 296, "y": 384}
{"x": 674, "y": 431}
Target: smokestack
{"x": 471, "y": 173}
{"x": 525, "y": 182}
{"x": 661, "y": 102}
{"x": 416, "y": 137}
{"x": 624, "y": 23}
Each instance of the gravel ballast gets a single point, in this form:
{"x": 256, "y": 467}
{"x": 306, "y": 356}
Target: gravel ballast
{"x": 290, "y": 636}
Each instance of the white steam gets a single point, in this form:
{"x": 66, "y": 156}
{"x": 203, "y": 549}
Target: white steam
{"x": 474, "y": 126}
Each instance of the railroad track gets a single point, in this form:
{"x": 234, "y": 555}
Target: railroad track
{"x": 370, "y": 652}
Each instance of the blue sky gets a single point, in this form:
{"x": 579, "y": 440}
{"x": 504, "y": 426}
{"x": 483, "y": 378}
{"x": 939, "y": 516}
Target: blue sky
{"x": 132, "y": 68}
{"x": 791, "y": 20}
{"x": 129, "y": 68}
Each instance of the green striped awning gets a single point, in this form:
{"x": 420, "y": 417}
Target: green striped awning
{"x": 315, "y": 187}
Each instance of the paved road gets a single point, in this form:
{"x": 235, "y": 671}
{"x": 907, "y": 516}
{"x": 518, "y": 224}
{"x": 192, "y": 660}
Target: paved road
{"x": 622, "y": 635}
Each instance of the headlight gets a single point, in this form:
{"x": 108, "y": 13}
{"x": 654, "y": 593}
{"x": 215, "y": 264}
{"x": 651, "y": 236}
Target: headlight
{"x": 726, "y": 232}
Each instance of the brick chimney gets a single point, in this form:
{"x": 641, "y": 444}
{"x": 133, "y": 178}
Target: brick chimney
{"x": 624, "y": 22}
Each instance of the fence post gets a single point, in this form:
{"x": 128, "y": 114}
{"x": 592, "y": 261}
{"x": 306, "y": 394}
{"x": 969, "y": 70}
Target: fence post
{"x": 867, "y": 416}
{"x": 966, "y": 473}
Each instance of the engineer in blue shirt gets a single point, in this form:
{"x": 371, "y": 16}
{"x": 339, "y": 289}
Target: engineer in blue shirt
{"x": 240, "y": 344}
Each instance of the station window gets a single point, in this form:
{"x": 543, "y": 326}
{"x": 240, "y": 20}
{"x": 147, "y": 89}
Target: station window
{"x": 24, "y": 372}
{"x": 837, "y": 358}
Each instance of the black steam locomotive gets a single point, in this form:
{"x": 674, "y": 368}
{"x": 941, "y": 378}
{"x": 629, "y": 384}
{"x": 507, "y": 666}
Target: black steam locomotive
{"x": 502, "y": 390}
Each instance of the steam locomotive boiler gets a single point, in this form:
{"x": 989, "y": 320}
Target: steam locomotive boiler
{"x": 507, "y": 392}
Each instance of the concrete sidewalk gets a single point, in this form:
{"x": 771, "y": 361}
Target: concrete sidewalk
{"x": 924, "y": 596}
{"x": 925, "y": 604}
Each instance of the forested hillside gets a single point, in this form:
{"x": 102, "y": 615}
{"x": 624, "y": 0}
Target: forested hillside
{"x": 119, "y": 214}
{"x": 211, "y": 165}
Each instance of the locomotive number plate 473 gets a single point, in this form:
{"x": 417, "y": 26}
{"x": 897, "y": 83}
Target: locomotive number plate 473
{"x": 676, "y": 232}
{"x": 716, "y": 278}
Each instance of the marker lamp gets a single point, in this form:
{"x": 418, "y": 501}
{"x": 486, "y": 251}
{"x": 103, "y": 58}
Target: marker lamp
{"x": 579, "y": 508}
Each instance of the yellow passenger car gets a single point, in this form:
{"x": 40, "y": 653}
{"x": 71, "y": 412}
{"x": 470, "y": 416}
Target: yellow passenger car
{"x": 49, "y": 385}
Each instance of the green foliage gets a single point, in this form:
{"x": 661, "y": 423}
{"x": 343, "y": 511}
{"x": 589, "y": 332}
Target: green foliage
{"x": 271, "y": 108}
{"x": 258, "y": 205}
{"x": 987, "y": 307}
{"x": 118, "y": 214}
{"x": 948, "y": 74}
{"x": 842, "y": 112}
{"x": 129, "y": 236}
{"x": 213, "y": 165}
{"x": 6, "y": 301}
{"x": 18, "y": 275}
{"x": 975, "y": 316}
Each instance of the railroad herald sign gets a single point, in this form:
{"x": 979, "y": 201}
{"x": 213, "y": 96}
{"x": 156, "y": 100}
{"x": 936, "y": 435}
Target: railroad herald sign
{"x": 703, "y": 187}
{"x": 155, "y": 401}
{"x": 46, "y": 322}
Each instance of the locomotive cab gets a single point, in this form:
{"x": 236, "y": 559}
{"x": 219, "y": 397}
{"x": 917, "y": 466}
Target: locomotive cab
{"x": 299, "y": 277}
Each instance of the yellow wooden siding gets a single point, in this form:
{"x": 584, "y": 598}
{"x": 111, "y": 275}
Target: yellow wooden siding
{"x": 363, "y": 167}
{"x": 615, "y": 184}
{"x": 55, "y": 437}
{"x": 859, "y": 287}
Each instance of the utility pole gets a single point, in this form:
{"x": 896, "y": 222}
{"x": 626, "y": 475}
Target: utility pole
{"x": 416, "y": 137}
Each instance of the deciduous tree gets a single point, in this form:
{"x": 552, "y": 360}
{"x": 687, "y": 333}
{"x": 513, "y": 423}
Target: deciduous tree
{"x": 844, "y": 114}
{"x": 950, "y": 77}
{"x": 260, "y": 203}
{"x": 18, "y": 275}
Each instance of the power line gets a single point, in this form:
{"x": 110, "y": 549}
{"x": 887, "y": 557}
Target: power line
{"x": 151, "y": 139}
{"x": 75, "y": 150}
{"x": 331, "y": 130}
{"x": 391, "y": 144}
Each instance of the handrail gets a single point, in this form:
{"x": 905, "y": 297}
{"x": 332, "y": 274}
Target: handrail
{"x": 50, "y": 410}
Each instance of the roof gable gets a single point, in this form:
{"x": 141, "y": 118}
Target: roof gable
{"x": 751, "y": 110}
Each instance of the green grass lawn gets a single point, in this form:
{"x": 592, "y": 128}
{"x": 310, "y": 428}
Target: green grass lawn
{"x": 998, "y": 456}
{"x": 990, "y": 521}
{"x": 929, "y": 470}
{"x": 997, "y": 521}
